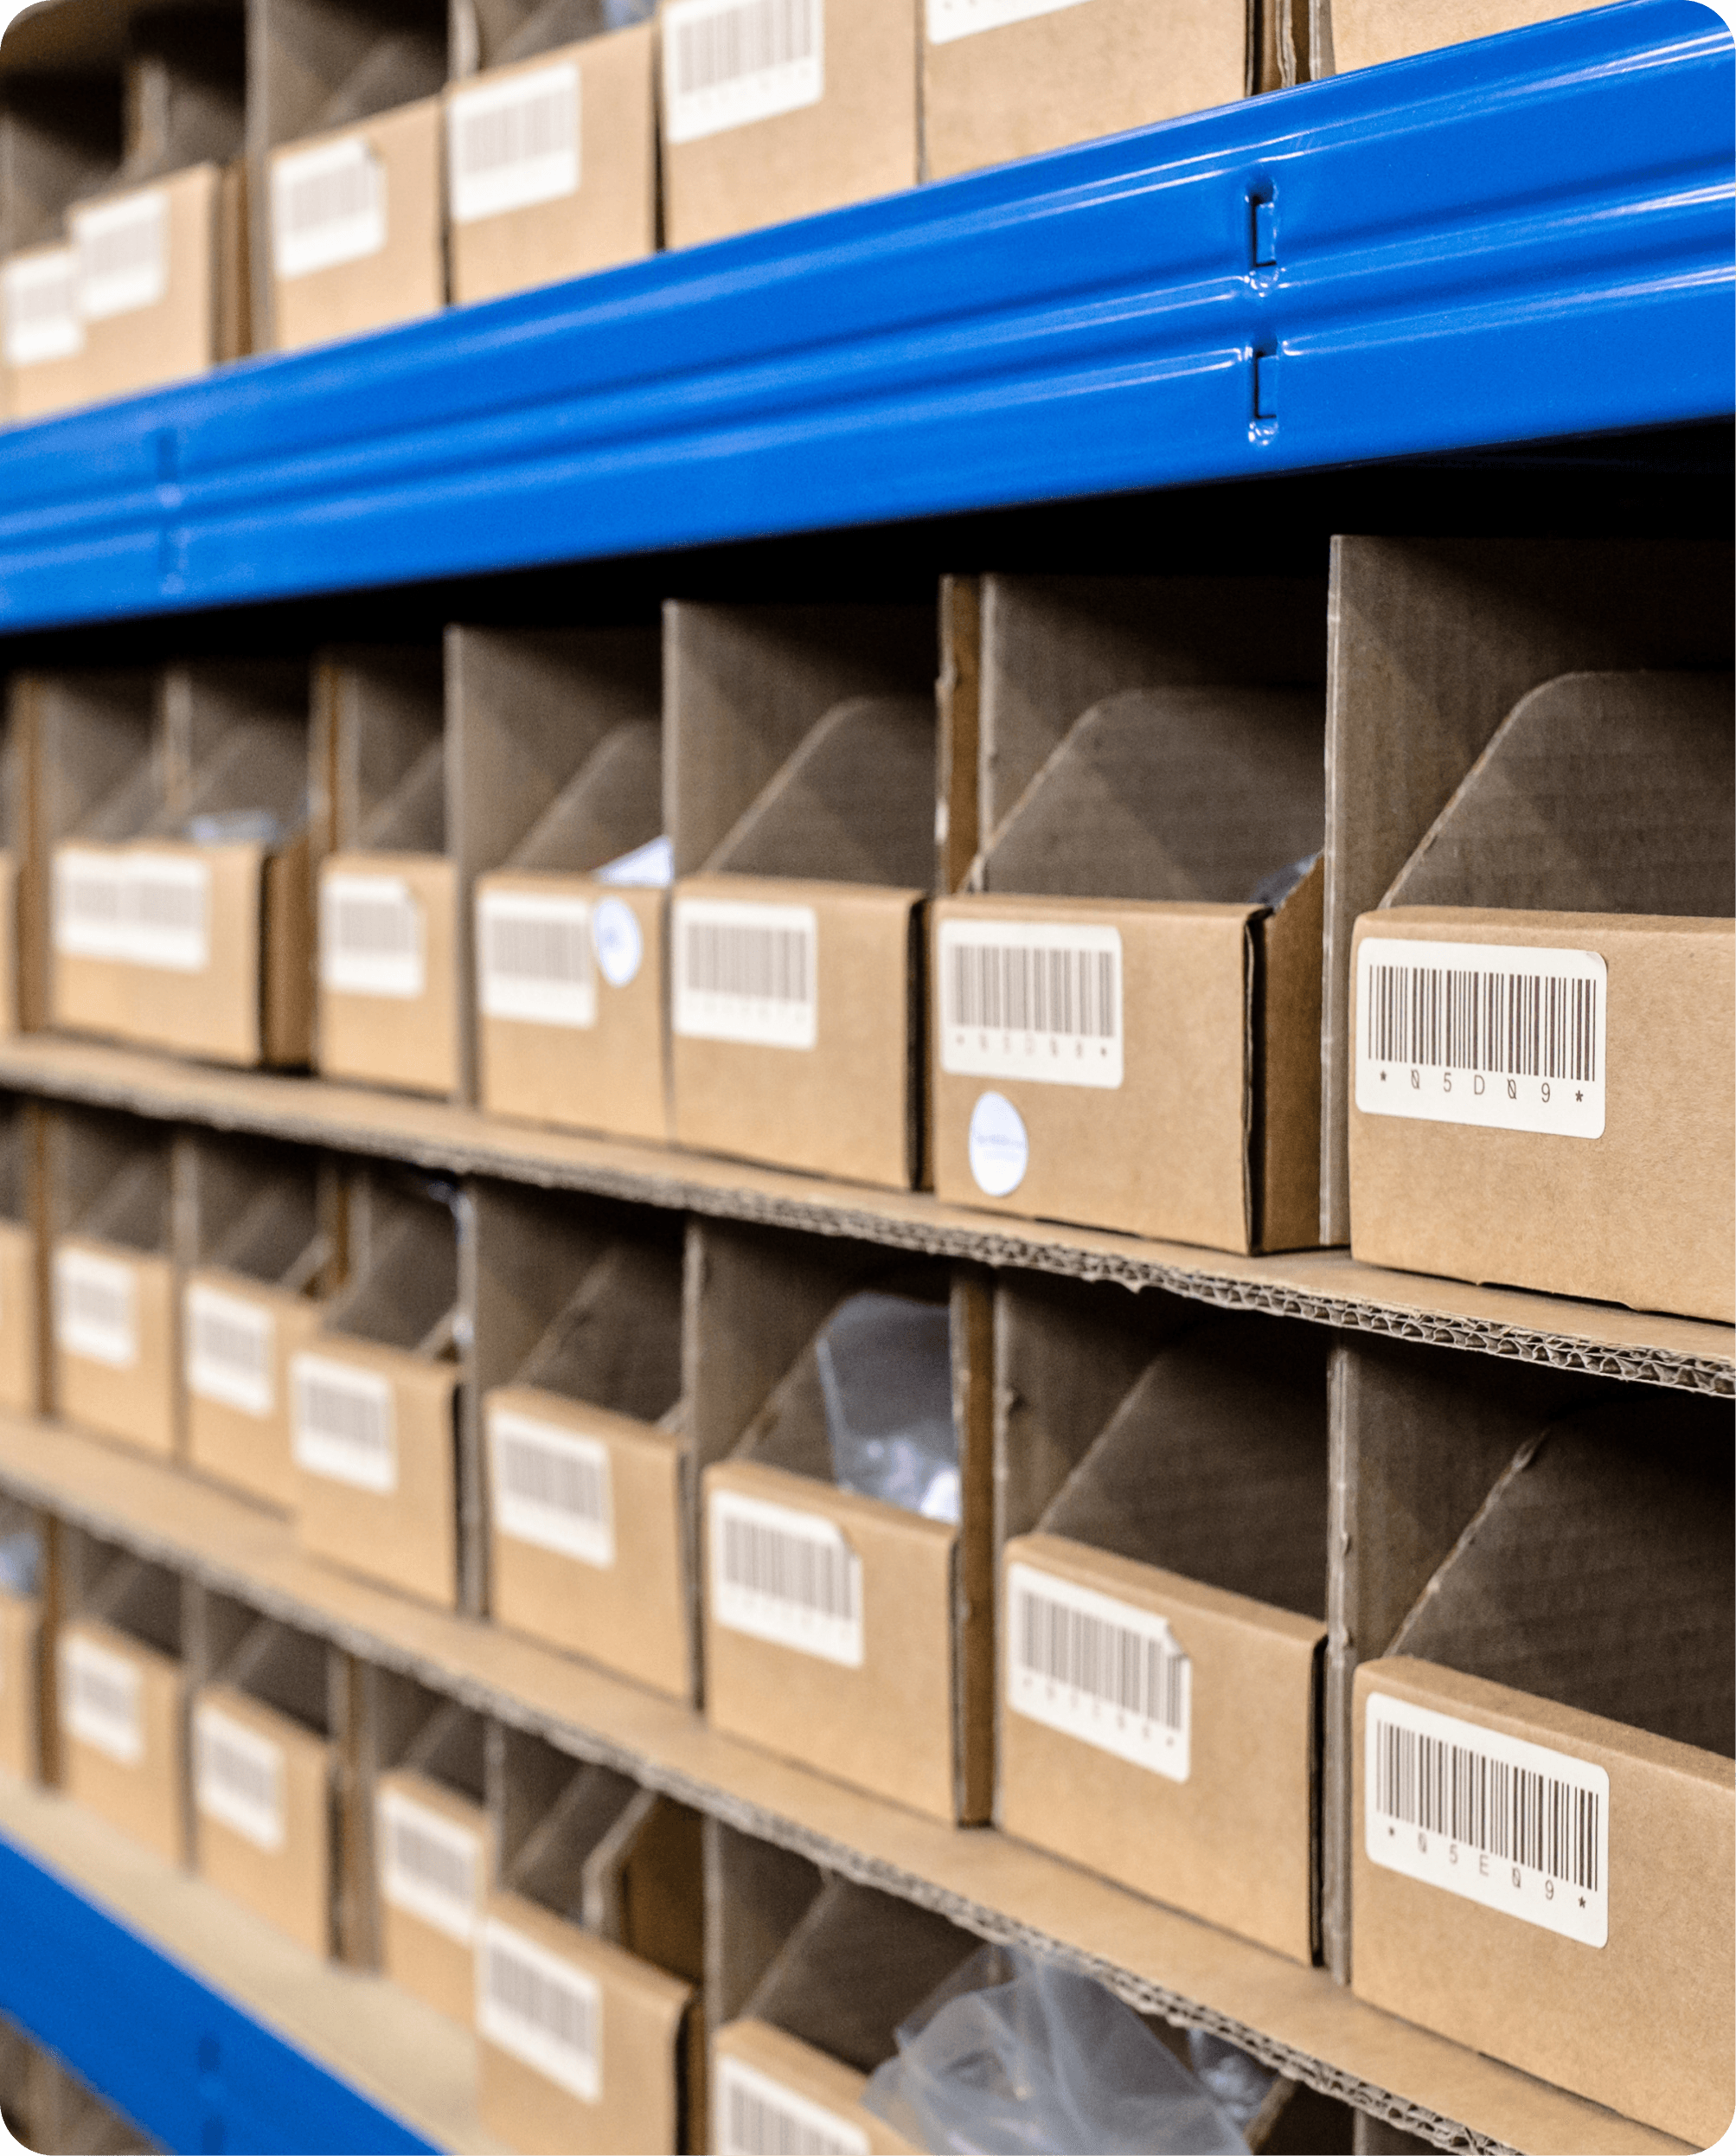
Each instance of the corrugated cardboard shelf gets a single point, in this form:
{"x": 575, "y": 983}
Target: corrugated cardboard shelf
{"x": 396, "y": 2050}
{"x": 1292, "y": 2017}
{"x": 1325, "y": 1286}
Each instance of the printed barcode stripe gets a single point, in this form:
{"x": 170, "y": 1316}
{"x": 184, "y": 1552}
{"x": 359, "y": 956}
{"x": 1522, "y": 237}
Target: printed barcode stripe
{"x": 535, "y": 947}
{"x": 565, "y": 1481}
{"x": 434, "y": 1861}
{"x": 1506, "y": 1024}
{"x": 811, "y": 1574}
{"x": 373, "y": 927}
{"x": 101, "y": 1696}
{"x": 90, "y": 1302}
{"x": 45, "y": 297}
{"x": 353, "y": 1418}
{"x": 540, "y": 124}
{"x": 1487, "y": 1804}
{"x": 222, "y": 1761}
{"x": 306, "y": 202}
{"x": 716, "y": 48}
{"x": 735, "y": 958}
{"x": 1122, "y": 1668}
{"x": 121, "y": 245}
{"x": 1020, "y": 988}
{"x": 561, "y": 2011}
{"x": 759, "y": 2125}
{"x": 238, "y": 1345}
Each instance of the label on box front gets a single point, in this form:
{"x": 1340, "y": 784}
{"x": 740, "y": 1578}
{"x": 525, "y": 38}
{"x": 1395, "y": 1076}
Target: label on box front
{"x": 727, "y": 63}
{"x": 551, "y": 1487}
{"x": 1516, "y": 1826}
{"x": 328, "y": 206}
{"x": 758, "y": 2116}
{"x": 533, "y": 959}
{"x": 1038, "y": 999}
{"x": 747, "y": 972}
{"x": 948, "y": 19}
{"x": 123, "y": 254}
{"x": 95, "y": 1308}
{"x": 167, "y": 901}
{"x": 786, "y": 1575}
{"x": 231, "y": 1350}
{"x": 430, "y": 1867}
{"x": 41, "y": 303}
{"x": 100, "y": 1700}
{"x": 1506, "y": 1037}
{"x": 512, "y": 144}
{"x": 540, "y": 2009}
{"x": 1100, "y": 1670}
{"x": 238, "y": 1777}
{"x": 344, "y": 1424}
{"x": 89, "y": 903}
{"x": 370, "y": 936}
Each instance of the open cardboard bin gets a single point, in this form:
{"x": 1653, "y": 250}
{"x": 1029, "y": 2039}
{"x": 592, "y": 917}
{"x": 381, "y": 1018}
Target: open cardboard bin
{"x": 1543, "y": 1008}
{"x": 433, "y": 1849}
{"x": 23, "y": 1640}
{"x": 262, "y": 1247}
{"x": 561, "y": 734}
{"x": 373, "y": 1398}
{"x": 589, "y": 1475}
{"x": 114, "y": 1366}
{"x": 550, "y": 141}
{"x": 21, "y": 1299}
{"x": 1545, "y": 1575}
{"x": 801, "y": 747}
{"x": 263, "y": 1785}
{"x": 174, "y": 814}
{"x": 1160, "y": 1479}
{"x": 589, "y": 1961}
{"x": 843, "y": 1630}
{"x": 1126, "y": 996}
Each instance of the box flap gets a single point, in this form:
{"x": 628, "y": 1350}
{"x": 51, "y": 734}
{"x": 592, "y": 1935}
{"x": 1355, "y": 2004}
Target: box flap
{"x": 617, "y": 1342}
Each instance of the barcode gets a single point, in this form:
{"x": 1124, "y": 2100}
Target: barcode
{"x": 370, "y": 940}
{"x": 552, "y": 1488}
{"x": 1508, "y": 1037}
{"x": 42, "y": 308}
{"x": 511, "y": 144}
{"x": 727, "y": 63}
{"x": 231, "y": 1350}
{"x": 761, "y": 2118}
{"x": 534, "y": 955}
{"x": 1513, "y": 1825}
{"x": 328, "y": 206}
{"x": 1031, "y": 999}
{"x": 1098, "y": 1669}
{"x": 238, "y": 1778}
{"x": 345, "y": 1425}
{"x": 428, "y": 1865}
{"x": 122, "y": 255}
{"x": 747, "y": 972}
{"x": 94, "y": 1308}
{"x": 137, "y": 908}
{"x": 787, "y": 1577}
{"x": 540, "y": 2009}
{"x": 100, "y": 1700}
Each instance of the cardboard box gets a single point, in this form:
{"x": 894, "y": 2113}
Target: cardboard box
{"x": 828, "y": 117}
{"x": 802, "y": 790}
{"x": 432, "y": 1835}
{"x": 551, "y": 165}
{"x": 1593, "y": 1157}
{"x": 115, "y": 1311}
{"x": 149, "y": 264}
{"x": 357, "y": 228}
{"x": 1367, "y": 33}
{"x": 1163, "y": 1494}
{"x": 120, "y": 1715}
{"x": 1572, "y": 1654}
{"x": 21, "y": 1666}
{"x": 765, "y": 2083}
{"x": 45, "y": 336}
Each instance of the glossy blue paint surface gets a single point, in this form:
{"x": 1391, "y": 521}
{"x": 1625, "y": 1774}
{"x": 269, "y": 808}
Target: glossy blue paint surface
{"x": 1525, "y": 238}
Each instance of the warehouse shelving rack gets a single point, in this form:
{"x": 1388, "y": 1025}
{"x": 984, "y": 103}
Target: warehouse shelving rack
{"x": 1527, "y": 241}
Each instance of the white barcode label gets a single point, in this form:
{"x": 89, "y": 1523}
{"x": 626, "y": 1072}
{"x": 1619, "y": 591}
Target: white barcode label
{"x": 41, "y": 303}
{"x": 167, "y": 902}
{"x": 747, "y": 972}
{"x": 727, "y": 63}
{"x": 370, "y": 936}
{"x": 1507, "y": 1038}
{"x": 238, "y": 1777}
{"x": 89, "y": 903}
{"x": 787, "y": 1577}
{"x": 551, "y": 1487}
{"x": 1035, "y": 999}
{"x": 1100, "y": 1670}
{"x": 328, "y": 206}
{"x": 96, "y": 1314}
{"x": 231, "y": 1350}
{"x": 540, "y": 2009}
{"x": 948, "y": 19}
{"x": 758, "y": 2116}
{"x": 533, "y": 959}
{"x": 1514, "y": 1826}
{"x": 99, "y": 1699}
{"x": 511, "y": 144}
{"x": 123, "y": 254}
{"x": 430, "y": 1867}
{"x": 344, "y": 1426}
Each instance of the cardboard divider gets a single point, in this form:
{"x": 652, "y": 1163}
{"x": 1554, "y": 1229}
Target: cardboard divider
{"x": 841, "y": 1629}
{"x": 431, "y": 1842}
{"x": 1163, "y": 1579}
{"x": 589, "y": 1478}
{"x": 588, "y": 2013}
{"x": 1125, "y": 1007}
{"x": 801, "y": 758}
{"x": 375, "y": 1400}
{"x": 21, "y": 1260}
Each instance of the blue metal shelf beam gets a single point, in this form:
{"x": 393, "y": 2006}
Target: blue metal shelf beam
{"x": 1527, "y": 237}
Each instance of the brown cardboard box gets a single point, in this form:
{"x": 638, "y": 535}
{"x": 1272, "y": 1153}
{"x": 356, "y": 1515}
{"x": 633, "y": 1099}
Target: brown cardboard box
{"x": 21, "y": 1667}
{"x": 1004, "y": 79}
{"x": 240, "y": 1337}
{"x": 765, "y": 2083}
{"x": 388, "y": 1003}
{"x": 149, "y": 263}
{"x": 115, "y": 1359}
{"x": 262, "y": 1793}
{"x": 45, "y": 337}
{"x": 357, "y": 228}
{"x": 120, "y": 1713}
{"x": 1365, "y": 33}
{"x": 831, "y": 119}
{"x": 1596, "y": 1160}
{"x": 433, "y": 1843}
{"x": 551, "y": 165}
{"x": 20, "y": 1318}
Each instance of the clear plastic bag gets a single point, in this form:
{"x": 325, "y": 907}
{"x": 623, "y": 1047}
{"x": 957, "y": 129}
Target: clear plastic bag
{"x": 1239, "y": 2084}
{"x": 886, "y": 1368}
{"x": 650, "y": 866}
{"x": 1014, "y": 2055}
